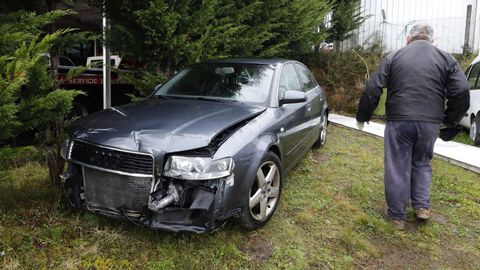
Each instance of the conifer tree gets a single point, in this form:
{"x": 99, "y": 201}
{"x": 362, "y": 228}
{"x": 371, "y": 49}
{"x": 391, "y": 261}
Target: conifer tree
{"x": 346, "y": 17}
{"x": 28, "y": 99}
{"x": 169, "y": 35}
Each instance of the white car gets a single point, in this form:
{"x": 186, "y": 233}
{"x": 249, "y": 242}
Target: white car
{"x": 471, "y": 119}
{"x": 97, "y": 61}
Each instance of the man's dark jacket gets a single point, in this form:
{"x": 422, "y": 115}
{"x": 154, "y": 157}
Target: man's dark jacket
{"x": 419, "y": 78}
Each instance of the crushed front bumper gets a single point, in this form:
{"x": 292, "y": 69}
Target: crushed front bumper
{"x": 198, "y": 209}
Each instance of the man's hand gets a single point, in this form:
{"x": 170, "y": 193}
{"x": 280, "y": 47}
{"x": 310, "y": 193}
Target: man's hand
{"x": 449, "y": 131}
{"x": 360, "y": 125}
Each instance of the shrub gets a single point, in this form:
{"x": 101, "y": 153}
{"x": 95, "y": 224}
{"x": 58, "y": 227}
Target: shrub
{"x": 464, "y": 59}
{"x": 19, "y": 156}
{"x": 30, "y": 100}
{"x": 343, "y": 76}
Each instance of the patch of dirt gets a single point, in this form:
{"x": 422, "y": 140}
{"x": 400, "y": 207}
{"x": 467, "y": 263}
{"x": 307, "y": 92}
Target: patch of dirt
{"x": 439, "y": 219}
{"x": 397, "y": 257}
{"x": 319, "y": 157}
{"x": 459, "y": 258}
{"x": 258, "y": 249}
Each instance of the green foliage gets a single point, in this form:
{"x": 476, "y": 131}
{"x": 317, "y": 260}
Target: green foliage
{"x": 26, "y": 97}
{"x": 380, "y": 110}
{"x": 346, "y": 17}
{"x": 465, "y": 59}
{"x": 169, "y": 35}
{"x": 29, "y": 98}
{"x": 18, "y": 156}
{"x": 144, "y": 82}
{"x": 343, "y": 76}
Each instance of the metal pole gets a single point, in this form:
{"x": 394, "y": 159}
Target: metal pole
{"x": 466, "y": 45}
{"x": 107, "y": 87}
{"x": 474, "y": 24}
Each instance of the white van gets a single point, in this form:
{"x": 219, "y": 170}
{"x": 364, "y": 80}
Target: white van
{"x": 471, "y": 120}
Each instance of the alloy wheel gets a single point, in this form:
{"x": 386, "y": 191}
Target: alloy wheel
{"x": 265, "y": 191}
{"x": 473, "y": 130}
{"x": 323, "y": 130}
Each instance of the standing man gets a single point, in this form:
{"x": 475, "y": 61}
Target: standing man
{"x": 419, "y": 78}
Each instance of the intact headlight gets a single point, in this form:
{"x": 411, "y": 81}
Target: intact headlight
{"x": 65, "y": 148}
{"x": 198, "y": 168}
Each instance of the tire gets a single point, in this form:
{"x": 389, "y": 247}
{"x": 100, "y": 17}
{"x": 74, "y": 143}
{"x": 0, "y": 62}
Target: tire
{"x": 475, "y": 130}
{"x": 263, "y": 197}
{"x": 322, "y": 136}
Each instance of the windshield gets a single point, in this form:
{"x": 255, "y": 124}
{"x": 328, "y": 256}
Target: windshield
{"x": 222, "y": 81}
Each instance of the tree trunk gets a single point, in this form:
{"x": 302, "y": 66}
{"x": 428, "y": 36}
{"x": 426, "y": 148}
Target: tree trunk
{"x": 53, "y": 134}
{"x": 337, "y": 44}
{"x": 52, "y": 141}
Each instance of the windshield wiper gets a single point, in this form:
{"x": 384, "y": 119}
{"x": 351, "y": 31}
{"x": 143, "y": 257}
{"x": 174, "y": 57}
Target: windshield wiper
{"x": 215, "y": 100}
{"x": 162, "y": 96}
{"x": 197, "y": 98}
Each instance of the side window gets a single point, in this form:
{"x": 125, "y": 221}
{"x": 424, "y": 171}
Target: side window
{"x": 473, "y": 82}
{"x": 306, "y": 78}
{"x": 289, "y": 80}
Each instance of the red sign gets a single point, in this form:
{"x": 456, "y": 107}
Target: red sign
{"x": 86, "y": 80}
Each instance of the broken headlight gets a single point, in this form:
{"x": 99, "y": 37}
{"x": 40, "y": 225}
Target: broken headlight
{"x": 198, "y": 168}
{"x": 65, "y": 148}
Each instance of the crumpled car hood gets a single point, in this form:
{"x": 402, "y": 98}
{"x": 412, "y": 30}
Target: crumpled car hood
{"x": 160, "y": 126}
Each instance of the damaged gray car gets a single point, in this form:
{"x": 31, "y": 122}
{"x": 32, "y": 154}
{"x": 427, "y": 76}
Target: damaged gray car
{"x": 213, "y": 143}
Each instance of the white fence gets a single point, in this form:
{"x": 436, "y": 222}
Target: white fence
{"x": 391, "y": 20}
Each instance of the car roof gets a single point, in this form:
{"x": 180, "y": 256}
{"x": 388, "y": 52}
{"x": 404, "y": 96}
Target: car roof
{"x": 264, "y": 61}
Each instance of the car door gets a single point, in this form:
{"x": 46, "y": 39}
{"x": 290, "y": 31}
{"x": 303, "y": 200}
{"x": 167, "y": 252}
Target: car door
{"x": 314, "y": 99}
{"x": 474, "y": 85}
{"x": 295, "y": 115}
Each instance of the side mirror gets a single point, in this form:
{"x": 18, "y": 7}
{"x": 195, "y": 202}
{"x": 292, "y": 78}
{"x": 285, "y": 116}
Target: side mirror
{"x": 157, "y": 87}
{"x": 290, "y": 96}
{"x": 154, "y": 90}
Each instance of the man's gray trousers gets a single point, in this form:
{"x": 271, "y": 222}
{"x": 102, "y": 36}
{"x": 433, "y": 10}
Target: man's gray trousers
{"x": 408, "y": 174}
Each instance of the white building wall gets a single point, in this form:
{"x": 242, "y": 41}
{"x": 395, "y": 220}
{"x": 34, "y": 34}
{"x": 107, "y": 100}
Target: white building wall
{"x": 447, "y": 17}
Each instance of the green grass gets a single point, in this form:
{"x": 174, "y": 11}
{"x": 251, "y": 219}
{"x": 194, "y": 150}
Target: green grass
{"x": 380, "y": 110}
{"x": 329, "y": 218}
{"x": 462, "y": 137}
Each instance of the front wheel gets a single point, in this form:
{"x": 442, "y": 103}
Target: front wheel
{"x": 475, "y": 130}
{"x": 264, "y": 194}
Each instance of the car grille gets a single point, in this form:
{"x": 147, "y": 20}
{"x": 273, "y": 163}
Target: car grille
{"x": 106, "y": 190}
{"x": 117, "y": 160}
